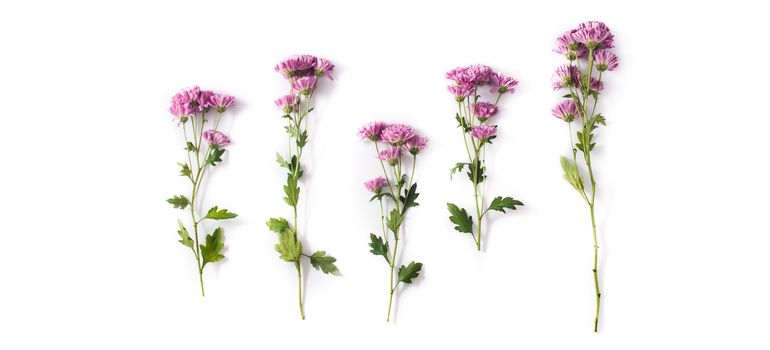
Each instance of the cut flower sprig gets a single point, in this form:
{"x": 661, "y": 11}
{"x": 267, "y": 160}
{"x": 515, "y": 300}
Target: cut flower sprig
{"x": 474, "y": 120}
{"x": 587, "y": 50}
{"x": 395, "y": 191}
{"x": 205, "y": 148}
{"x": 302, "y": 72}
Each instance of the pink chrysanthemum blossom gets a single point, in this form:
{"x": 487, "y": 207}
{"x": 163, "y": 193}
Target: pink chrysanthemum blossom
{"x": 484, "y": 132}
{"x": 204, "y": 100}
{"x": 461, "y": 91}
{"x": 565, "y": 110}
{"x": 287, "y": 103}
{"x": 371, "y": 131}
{"x": 606, "y": 60}
{"x": 397, "y": 134}
{"x": 304, "y": 85}
{"x": 297, "y": 66}
{"x": 565, "y": 76}
{"x": 502, "y": 83}
{"x": 187, "y": 97}
{"x": 484, "y": 110}
{"x": 181, "y": 109}
{"x": 475, "y": 75}
{"x": 416, "y": 144}
{"x": 567, "y": 45}
{"x": 222, "y": 102}
{"x": 324, "y": 67}
{"x": 594, "y": 35}
{"x": 376, "y": 184}
{"x": 215, "y": 138}
{"x": 390, "y": 155}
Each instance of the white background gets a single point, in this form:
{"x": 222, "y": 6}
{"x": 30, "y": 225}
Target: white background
{"x": 89, "y": 250}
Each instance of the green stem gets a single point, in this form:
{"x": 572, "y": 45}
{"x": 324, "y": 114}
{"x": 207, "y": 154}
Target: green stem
{"x": 299, "y": 288}
{"x": 596, "y": 277}
{"x": 392, "y": 268}
{"x": 477, "y": 165}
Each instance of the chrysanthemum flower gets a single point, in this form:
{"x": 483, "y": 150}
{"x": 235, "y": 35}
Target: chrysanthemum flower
{"x": 222, "y": 102}
{"x": 594, "y": 35}
{"x": 565, "y": 110}
{"x": 371, "y": 131}
{"x": 606, "y": 60}
{"x": 475, "y": 75}
{"x": 484, "y": 110}
{"x": 397, "y": 134}
{"x": 567, "y": 45}
{"x": 304, "y": 85}
{"x": 376, "y": 184}
{"x": 415, "y": 144}
{"x": 390, "y": 155}
{"x": 484, "y": 132}
{"x": 287, "y": 103}
{"x": 216, "y": 138}
{"x": 565, "y": 76}
{"x": 324, "y": 67}
{"x": 460, "y": 91}
{"x": 297, "y": 66}
{"x": 502, "y": 83}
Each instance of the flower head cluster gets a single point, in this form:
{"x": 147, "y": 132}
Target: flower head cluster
{"x": 371, "y": 131}
{"x": 299, "y": 66}
{"x": 467, "y": 81}
{"x": 592, "y": 35}
{"x": 400, "y": 137}
{"x": 193, "y": 100}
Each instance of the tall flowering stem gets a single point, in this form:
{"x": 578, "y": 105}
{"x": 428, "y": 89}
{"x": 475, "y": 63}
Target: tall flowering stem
{"x": 474, "y": 120}
{"x": 192, "y": 109}
{"x": 396, "y": 191}
{"x": 302, "y": 72}
{"x": 587, "y": 51}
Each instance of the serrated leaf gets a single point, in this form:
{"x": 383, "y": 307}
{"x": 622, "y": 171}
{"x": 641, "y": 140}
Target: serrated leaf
{"x": 476, "y": 172}
{"x": 379, "y": 247}
{"x": 215, "y": 156}
{"x": 394, "y": 220}
{"x": 460, "y": 218}
{"x": 302, "y": 139}
{"x": 185, "y": 236}
{"x": 289, "y": 247}
{"x": 292, "y": 130}
{"x": 409, "y": 197}
{"x": 212, "y": 250}
{"x": 409, "y": 272}
{"x": 185, "y": 171}
{"x": 456, "y": 169}
{"x": 179, "y": 201}
{"x": 282, "y": 162}
{"x": 571, "y": 174}
{"x": 190, "y": 147}
{"x": 292, "y": 191}
{"x": 379, "y": 196}
{"x": 217, "y": 214}
{"x": 278, "y": 225}
{"x": 500, "y": 204}
{"x": 325, "y": 263}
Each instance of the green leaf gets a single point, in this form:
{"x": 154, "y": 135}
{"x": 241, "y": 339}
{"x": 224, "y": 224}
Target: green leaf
{"x": 289, "y": 247}
{"x": 185, "y": 171}
{"x": 325, "y": 263}
{"x": 190, "y": 147}
{"x": 292, "y": 191}
{"x": 216, "y": 214}
{"x": 461, "y": 123}
{"x": 302, "y": 139}
{"x": 379, "y": 247}
{"x": 409, "y": 197}
{"x": 294, "y": 167}
{"x": 379, "y": 196}
{"x": 215, "y": 156}
{"x": 500, "y": 204}
{"x": 179, "y": 201}
{"x": 460, "y": 218}
{"x": 278, "y": 225}
{"x": 394, "y": 220}
{"x": 212, "y": 250}
{"x": 476, "y": 172}
{"x": 456, "y": 169}
{"x": 282, "y": 162}
{"x": 292, "y": 130}
{"x": 186, "y": 240}
{"x": 407, "y": 273}
{"x": 571, "y": 174}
